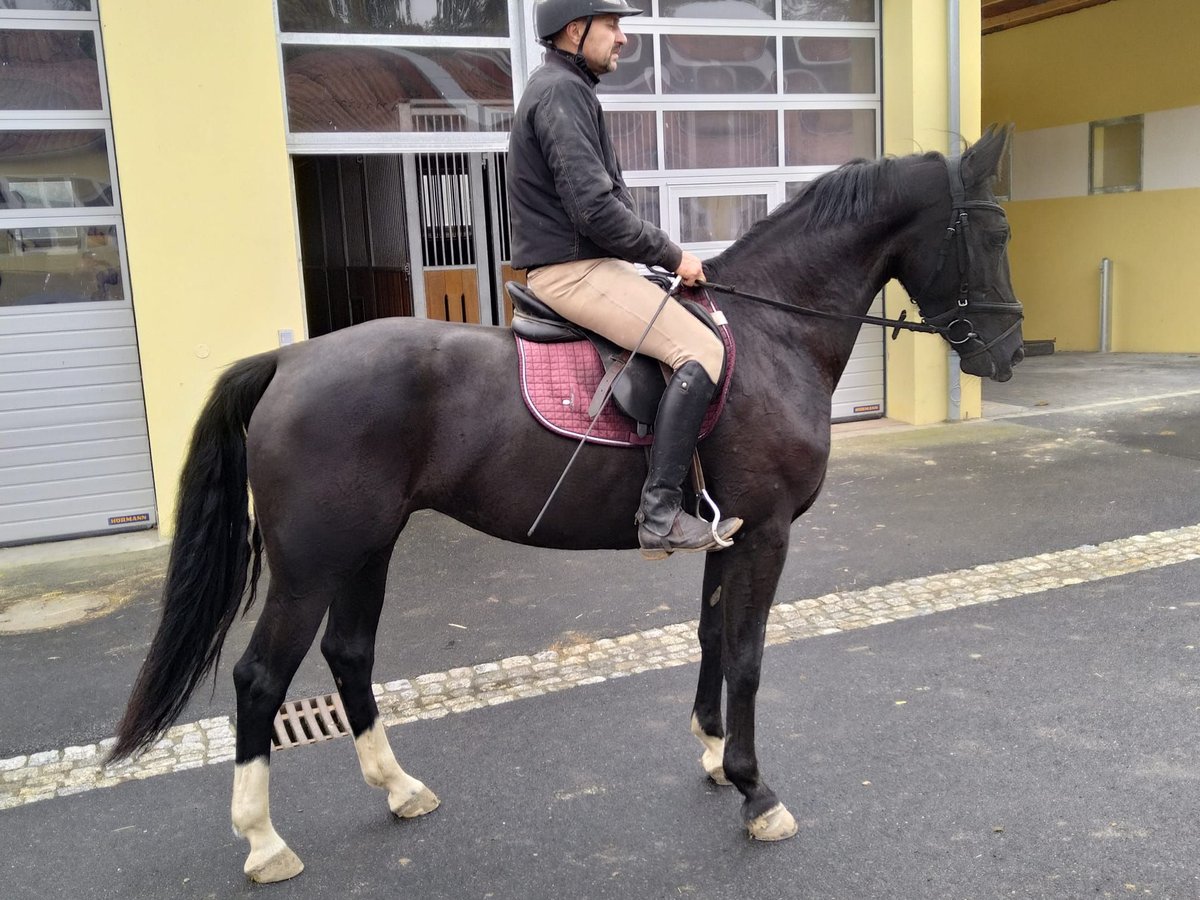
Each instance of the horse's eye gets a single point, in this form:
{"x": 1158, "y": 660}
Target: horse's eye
{"x": 998, "y": 238}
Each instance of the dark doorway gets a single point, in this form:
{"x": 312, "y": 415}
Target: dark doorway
{"x": 353, "y": 239}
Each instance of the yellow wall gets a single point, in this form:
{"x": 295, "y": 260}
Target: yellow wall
{"x": 916, "y": 118}
{"x": 206, "y": 189}
{"x": 1116, "y": 59}
{"x": 1151, "y": 237}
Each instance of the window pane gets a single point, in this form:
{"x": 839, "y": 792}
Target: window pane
{"x": 50, "y": 5}
{"x": 721, "y": 139}
{"x": 60, "y": 264}
{"x": 1116, "y": 156}
{"x": 48, "y": 70}
{"x": 397, "y": 89}
{"x": 828, "y": 137}
{"x": 54, "y": 169}
{"x": 645, "y": 204}
{"x": 634, "y": 138}
{"x": 828, "y": 65}
{"x": 705, "y": 219}
{"x": 717, "y": 9}
{"x": 635, "y": 69}
{"x": 829, "y": 10}
{"x": 718, "y": 64}
{"x": 481, "y": 18}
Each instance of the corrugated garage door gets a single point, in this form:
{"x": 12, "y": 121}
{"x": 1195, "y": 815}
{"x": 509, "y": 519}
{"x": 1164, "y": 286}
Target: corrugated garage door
{"x": 74, "y": 451}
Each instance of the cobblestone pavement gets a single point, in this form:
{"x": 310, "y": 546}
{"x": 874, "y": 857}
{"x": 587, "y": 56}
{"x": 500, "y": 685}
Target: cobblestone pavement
{"x": 71, "y": 770}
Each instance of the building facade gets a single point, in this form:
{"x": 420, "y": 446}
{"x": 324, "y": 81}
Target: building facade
{"x": 1105, "y": 165}
{"x": 187, "y": 184}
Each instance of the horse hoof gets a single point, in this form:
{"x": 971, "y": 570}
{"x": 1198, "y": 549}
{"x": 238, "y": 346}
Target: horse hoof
{"x": 712, "y": 765}
{"x": 280, "y": 866}
{"x": 422, "y": 802}
{"x": 776, "y": 824}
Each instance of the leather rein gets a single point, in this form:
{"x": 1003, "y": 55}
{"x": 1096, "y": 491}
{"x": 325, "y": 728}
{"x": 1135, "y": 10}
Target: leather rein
{"x": 952, "y": 324}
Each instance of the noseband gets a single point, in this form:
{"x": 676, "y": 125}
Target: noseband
{"x": 953, "y": 323}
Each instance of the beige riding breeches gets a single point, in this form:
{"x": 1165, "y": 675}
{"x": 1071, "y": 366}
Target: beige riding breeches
{"x": 608, "y": 296}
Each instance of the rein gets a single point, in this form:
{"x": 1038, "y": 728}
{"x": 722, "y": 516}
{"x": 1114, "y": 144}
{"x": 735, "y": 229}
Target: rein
{"x": 959, "y": 329}
{"x": 895, "y": 324}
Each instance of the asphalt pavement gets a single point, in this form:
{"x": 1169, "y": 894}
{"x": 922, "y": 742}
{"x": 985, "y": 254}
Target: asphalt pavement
{"x": 1032, "y": 745}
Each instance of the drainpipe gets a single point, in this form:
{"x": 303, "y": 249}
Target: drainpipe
{"x": 954, "y": 122}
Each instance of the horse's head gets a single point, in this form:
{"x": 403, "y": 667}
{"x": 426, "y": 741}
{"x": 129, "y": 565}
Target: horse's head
{"x": 963, "y": 265}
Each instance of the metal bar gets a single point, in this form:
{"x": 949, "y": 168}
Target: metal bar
{"x": 1106, "y": 300}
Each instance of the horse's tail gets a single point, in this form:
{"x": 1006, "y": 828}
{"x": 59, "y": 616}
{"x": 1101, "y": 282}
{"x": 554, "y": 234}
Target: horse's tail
{"x": 212, "y": 549}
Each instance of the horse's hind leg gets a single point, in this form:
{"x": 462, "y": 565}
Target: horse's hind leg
{"x": 284, "y": 632}
{"x": 706, "y": 713}
{"x": 349, "y": 648}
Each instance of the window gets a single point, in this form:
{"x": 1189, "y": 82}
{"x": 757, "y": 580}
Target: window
{"x": 1115, "y": 156}
{"x": 60, "y": 234}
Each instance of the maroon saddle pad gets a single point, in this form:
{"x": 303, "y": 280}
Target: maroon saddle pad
{"x": 558, "y": 381}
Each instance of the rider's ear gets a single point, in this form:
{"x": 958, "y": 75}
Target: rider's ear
{"x": 982, "y": 159}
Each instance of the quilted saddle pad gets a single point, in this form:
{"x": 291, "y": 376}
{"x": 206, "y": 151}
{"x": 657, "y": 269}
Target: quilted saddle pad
{"x": 558, "y": 382}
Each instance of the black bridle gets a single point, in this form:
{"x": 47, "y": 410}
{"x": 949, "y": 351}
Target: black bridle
{"x": 952, "y": 324}
{"x": 956, "y": 327}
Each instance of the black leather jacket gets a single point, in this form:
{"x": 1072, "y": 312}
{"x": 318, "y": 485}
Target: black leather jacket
{"x": 567, "y": 198}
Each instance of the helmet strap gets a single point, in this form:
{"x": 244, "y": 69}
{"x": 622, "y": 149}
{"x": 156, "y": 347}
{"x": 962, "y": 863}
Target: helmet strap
{"x": 583, "y": 39}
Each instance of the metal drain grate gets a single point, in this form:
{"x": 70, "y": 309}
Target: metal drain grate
{"x": 309, "y": 721}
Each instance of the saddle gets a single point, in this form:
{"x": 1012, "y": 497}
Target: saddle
{"x": 565, "y": 371}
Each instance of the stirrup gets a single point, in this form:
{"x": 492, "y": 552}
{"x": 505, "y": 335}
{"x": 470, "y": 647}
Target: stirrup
{"x": 716, "y": 518}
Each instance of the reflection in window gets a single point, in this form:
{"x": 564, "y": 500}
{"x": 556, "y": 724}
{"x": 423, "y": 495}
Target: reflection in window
{"x": 635, "y": 139}
{"x": 635, "y": 69}
{"x": 1116, "y": 156}
{"x": 721, "y": 139}
{"x": 48, "y": 169}
{"x": 397, "y": 89}
{"x": 717, "y": 9}
{"x": 723, "y": 218}
{"x": 828, "y": 65}
{"x": 718, "y": 64}
{"x": 479, "y": 18}
{"x": 828, "y": 137}
{"x": 829, "y": 10}
{"x": 44, "y": 69}
{"x": 60, "y": 264}
{"x": 645, "y": 204}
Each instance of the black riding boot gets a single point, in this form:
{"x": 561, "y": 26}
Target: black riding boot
{"x": 663, "y": 526}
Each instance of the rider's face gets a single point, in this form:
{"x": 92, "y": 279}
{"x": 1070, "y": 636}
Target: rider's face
{"x": 603, "y": 45}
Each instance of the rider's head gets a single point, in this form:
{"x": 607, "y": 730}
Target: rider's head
{"x": 588, "y": 29}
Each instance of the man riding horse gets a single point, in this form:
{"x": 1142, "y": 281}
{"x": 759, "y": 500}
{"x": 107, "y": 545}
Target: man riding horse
{"x": 575, "y": 231}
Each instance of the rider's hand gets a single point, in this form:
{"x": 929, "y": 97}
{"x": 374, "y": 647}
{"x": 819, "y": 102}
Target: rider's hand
{"x": 690, "y": 269}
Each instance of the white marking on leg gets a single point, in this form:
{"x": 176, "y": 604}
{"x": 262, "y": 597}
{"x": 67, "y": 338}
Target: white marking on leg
{"x": 270, "y": 858}
{"x": 407, "y": 797}
{"x": 713, "y": 759}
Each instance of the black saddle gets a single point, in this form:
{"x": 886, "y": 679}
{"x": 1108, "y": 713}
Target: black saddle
{"x": 636, "y": 389}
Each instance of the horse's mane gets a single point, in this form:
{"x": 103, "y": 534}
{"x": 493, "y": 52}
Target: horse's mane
{"x": 846, "y": 196}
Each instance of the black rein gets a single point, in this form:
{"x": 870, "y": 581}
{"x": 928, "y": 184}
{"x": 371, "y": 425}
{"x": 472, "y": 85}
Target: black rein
{"x": 959, "y": 330}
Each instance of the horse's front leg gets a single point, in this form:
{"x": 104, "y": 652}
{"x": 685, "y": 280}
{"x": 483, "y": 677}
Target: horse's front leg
{"x": 750, "y": 575}
{"x": 706, "y": 712}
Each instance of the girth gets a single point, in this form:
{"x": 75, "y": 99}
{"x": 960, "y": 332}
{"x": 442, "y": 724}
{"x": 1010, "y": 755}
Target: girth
{"x": 639, "y": 387}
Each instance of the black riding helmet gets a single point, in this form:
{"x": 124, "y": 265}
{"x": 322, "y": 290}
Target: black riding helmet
{"x": 552, "y": 16}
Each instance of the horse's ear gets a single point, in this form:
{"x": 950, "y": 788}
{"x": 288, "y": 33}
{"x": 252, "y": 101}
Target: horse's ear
{"x": 982, "y": 159}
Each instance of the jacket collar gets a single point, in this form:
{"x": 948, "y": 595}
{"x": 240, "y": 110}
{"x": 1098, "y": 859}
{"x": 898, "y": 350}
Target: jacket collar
{"x": 573, "y": 62}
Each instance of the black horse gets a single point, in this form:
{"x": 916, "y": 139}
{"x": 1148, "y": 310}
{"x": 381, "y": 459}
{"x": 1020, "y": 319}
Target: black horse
{"x": 342, "y": 438}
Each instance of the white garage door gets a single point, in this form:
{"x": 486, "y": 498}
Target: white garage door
{"x": 74, "y": 451}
